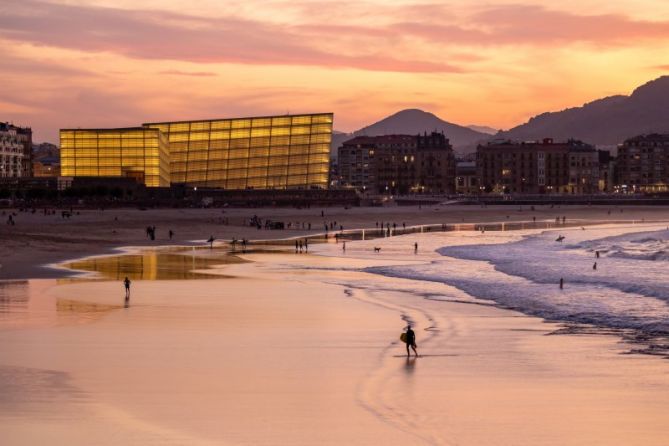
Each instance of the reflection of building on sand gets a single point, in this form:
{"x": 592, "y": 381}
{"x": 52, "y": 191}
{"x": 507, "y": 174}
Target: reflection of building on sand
{"x": 13, "y": 293}
{"x": 83, "y": 311}
{"x": 153, "y": 265}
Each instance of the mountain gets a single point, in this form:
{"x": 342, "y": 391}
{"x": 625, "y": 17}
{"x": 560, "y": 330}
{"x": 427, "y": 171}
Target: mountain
{"x": 607, "y": 121}
{"x": 483, "y": 129}
{"x": 413, "y": 122}
{"x": 338, "y": 139}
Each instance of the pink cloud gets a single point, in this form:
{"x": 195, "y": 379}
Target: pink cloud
{"x": 538, "y": 26}
{"x": 164, "y": 35}
{"x": 526, "y": 23}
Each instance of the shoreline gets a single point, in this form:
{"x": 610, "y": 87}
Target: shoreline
{"x": 98, "y": 233}
{"x": 26, "y": 268}
{"x": 324, "y": 237}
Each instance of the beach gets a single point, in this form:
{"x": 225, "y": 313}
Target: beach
{"x": 282, "y": 348}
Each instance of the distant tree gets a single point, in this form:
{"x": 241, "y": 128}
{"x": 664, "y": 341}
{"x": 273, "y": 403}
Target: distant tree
{"x": 35, "y": 194}
{"x": 100, "y": 191}
{"x": 116, "y": 192}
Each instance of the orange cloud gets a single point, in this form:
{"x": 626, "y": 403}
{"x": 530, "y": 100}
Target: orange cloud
{"x": 187, "y": 73}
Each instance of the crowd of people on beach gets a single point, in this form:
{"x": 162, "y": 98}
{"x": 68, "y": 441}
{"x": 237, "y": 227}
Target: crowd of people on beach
{"x": 302, "y": 244}
{"x": 259, "y": 224}
{"x": 11, "y": 220}
{"x": 151, "y": 232}
{"x": 242, "y": 243}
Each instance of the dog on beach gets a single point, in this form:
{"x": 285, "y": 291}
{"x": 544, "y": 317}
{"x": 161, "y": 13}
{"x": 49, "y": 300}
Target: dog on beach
{"x": 377, "y": 249}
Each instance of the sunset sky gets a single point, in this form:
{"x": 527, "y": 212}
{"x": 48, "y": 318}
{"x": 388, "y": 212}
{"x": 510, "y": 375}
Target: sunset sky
{"x": 109, "y": 63}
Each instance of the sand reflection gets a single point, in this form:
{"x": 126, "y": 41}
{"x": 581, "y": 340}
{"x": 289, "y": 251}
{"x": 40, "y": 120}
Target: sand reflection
{"x": 14, "y": 296}
{"x": 410, "y": 366}
{"x": 155, "y": 265}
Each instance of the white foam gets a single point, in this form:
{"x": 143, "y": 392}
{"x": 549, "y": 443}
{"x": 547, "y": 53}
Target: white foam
{"x": 522, "y": 271}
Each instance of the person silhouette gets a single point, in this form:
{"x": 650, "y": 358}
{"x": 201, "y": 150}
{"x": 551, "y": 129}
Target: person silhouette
{"x": 126, "y": 282}
{"x": 411, "y": 341}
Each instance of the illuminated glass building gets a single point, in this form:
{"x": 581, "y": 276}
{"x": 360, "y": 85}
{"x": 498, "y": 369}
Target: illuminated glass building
{"x": 140, "y": 153}
{"x": 274, "y": 152}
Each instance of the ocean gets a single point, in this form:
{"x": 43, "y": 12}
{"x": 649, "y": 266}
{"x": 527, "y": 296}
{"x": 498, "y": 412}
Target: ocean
{"x": 629, "y": 289}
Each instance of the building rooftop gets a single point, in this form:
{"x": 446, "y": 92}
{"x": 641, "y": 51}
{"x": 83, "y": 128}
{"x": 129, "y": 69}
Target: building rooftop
{"x": 649, "y": 137}
{"x": 381, "y": 139}
{"x": 237, "y": 118}
{"x": 114, "y": 129}
{"x": 5, "y": 126}
{"x": 546, "y": 143}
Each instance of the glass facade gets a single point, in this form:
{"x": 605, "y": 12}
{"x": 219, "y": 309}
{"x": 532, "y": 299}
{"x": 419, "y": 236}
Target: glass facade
{"x": 275, "y": 152}
{"x": 140, "y": 153}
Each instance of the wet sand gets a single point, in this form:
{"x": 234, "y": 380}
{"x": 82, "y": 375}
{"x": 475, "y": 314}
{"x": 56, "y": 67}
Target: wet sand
{"x": 304, "y": 349}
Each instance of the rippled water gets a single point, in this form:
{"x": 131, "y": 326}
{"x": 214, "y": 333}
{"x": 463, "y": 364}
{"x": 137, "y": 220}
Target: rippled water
{"x": 627, "y": 288}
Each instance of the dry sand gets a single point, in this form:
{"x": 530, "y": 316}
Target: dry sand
{"x": 301, "y": 350}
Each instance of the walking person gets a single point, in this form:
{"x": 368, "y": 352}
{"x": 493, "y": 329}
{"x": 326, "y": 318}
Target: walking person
{"x": 411, "y": 341}
{"x": 415, "y": 248}
{"x": 126, "y": 282}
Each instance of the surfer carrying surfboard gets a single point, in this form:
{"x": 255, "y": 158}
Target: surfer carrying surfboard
{"x": 410, "y": 340}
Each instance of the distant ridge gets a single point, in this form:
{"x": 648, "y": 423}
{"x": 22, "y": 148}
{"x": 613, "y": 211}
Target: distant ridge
{"x": 606, "y": 121}
{"x": 483, "y": 129}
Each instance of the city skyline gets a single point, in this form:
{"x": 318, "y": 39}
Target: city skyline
{"x": 106, "y": 63}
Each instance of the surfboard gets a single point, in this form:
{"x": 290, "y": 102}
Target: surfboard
{"x": 403, "y": 337}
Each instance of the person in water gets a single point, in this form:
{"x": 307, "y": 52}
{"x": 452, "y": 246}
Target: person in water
{"x": 411, "y": 341}
{"x": 126, "y": 282}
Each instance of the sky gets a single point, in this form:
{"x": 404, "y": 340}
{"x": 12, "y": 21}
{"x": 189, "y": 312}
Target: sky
{"x": 114, "y": 63}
